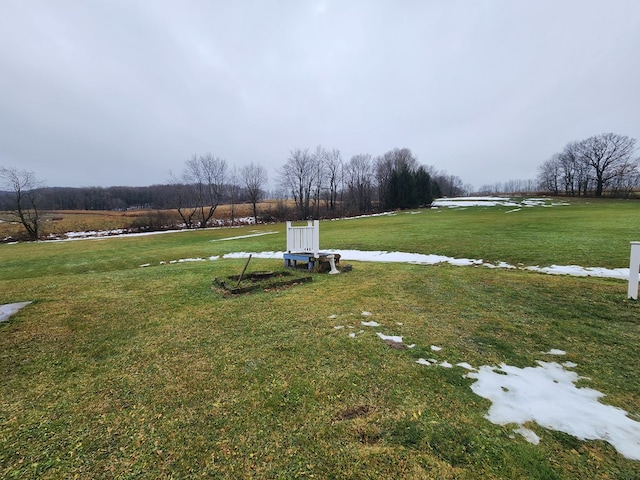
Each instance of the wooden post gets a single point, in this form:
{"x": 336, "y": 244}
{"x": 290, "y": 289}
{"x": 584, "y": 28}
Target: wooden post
{"x": 244, "y": 270}
{"x": 634, "y": 268}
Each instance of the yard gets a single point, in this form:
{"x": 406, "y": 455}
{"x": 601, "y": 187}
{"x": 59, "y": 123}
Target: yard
{"x": 129, "y": 363}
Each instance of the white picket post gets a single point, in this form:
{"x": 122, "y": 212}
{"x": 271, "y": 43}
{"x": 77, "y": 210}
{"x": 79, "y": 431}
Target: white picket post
{"x": 634, "y": 268}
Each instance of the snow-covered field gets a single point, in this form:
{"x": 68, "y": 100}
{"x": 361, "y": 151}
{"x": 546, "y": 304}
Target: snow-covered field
{"x": 495, "y": 201}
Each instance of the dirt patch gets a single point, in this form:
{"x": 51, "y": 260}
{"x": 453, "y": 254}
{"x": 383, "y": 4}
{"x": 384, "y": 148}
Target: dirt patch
{"x": 350, "y": 413}
{"x": 267, "y": 281}
{"x": 396, "y": 345}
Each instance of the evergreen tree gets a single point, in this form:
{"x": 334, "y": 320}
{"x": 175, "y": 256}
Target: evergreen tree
{"x": 424, "y": 187}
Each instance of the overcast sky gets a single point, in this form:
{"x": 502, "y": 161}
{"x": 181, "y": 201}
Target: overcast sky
{"x": 121, "y": 92}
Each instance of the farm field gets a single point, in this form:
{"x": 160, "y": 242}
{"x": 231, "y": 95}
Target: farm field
{"x": 59, "y": 222}
{"x": 128, "y": 364}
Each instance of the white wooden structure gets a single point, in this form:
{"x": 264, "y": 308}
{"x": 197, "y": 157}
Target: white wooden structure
{"x": 304, "y": 239}
{"x": 634, "y": 268}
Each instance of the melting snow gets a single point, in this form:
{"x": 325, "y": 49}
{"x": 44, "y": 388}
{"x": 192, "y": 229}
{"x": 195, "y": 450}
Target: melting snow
{"x": 555, "y": 351}
{"x": 392, "y": 338}
{"x": 493, "y": 202}
{"x": 577, "y": 271}
{"x": 547, "y": 395}
{"x": 422, "y": 259}
{"x": 243, "y": 236}
{"x": 10, "y": 308}
{"x": 529, "y": 435}
{"x": 371, "y": 324}
{"x": 465, "y": 365}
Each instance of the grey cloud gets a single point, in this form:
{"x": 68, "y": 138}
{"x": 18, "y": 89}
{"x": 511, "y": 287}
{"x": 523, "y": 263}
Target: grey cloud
{"x": 119, "y": 93}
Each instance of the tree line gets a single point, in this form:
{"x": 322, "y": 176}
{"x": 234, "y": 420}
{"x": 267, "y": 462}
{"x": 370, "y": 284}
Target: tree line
{"x": 605, "y": 164}
{"x": 319, "y": 183}
{"x": 322, "y": 184}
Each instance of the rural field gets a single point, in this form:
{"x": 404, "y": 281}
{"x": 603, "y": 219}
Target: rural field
{"x": 128, "y": 363}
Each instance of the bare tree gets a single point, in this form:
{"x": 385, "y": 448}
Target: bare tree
{"x": 549, "y": 174}
{"x": 24, "y": 190}
{"x": 254, "y": 177}
{"x": 233, "y": 190}
{"x": 609, "y": 155}
{"x": 183, "y": 201}
{"x": 359, "y": 182}
{"x": 320, "y": 159}
{"x": 334, "y": 168}
{"x": 298, "y": 176}
{"x": 449, "y": 185}
{"x": 206, "y": 176}
{"x": 597, "y": 164}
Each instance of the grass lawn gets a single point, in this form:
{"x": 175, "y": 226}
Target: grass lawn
{"x": 118, "y": 371}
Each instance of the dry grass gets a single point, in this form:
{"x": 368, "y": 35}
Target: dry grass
{"x": 57, "y": 222}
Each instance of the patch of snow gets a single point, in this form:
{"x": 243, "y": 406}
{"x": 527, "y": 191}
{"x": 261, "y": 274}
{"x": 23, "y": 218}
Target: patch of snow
{"x": 499, "y": 265}
{"x": 474, "y": 202}
{"x": 529, "y": 435}
{"x": 491, "y": 201}
{"x": 366, "y": 314}
{"x": 423, "y": 259}
{"x": 383, "y": 214}
{"x": 333, "y": 316}
{"x": 435, "y": 348}
{"x": 446, "y": 365}
{"x": 392, "y": 338}
{"x": 555, "y": 351}
{"x": 243, "y": 236}
{"x": 547, "y": 395}
{"x": 515, "y": 210}
{"x": 577, "y": 271}
{"x": 186, "y": 260}
{"x": 376, "y": 256}
{"x": 94, "y": 233}
{"x": 465, "y": 365}
{"x": 422, "y": 361}
{"x": 9, "y": 309}
{"x": 372, "y": 323}
{"x": 569, "y": 365}
{"x": 338, "y": 327}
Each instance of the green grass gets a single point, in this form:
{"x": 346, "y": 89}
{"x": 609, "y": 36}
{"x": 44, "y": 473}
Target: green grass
{"x": 117, "y": 371}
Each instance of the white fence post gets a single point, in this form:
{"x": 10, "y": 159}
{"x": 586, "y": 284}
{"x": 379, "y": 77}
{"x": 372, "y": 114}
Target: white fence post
{"x": 634, "y": 268}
